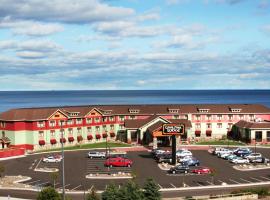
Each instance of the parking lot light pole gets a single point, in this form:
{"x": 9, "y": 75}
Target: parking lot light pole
{"x": 63, "y": 161}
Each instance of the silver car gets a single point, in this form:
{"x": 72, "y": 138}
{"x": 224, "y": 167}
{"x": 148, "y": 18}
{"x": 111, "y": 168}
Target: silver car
{"x": 96, "y": 154}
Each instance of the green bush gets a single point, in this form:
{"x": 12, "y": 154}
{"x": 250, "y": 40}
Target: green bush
{"x": 48, "y": 193}
{"x": 260, "y": 191}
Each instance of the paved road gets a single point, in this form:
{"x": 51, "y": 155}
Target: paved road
{"x": 78, "y": 165}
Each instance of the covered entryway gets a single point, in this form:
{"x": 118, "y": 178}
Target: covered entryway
{"x": 5, "y": 141}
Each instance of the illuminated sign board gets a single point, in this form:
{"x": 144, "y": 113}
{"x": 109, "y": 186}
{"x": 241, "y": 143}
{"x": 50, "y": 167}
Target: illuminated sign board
{"x": 173, "y": 129}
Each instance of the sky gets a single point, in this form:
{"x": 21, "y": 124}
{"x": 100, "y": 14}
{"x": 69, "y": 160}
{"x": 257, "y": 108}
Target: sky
{"x": 134, "y": 44}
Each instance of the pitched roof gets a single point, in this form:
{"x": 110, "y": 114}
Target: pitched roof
{"x": 32, "y": 114}
{"x": 252, "y": 125}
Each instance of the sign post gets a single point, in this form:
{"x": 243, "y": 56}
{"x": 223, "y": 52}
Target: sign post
{"x": 173, "y": 130}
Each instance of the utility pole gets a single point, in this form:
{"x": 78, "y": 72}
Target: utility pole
{"x": 63, "y": 160}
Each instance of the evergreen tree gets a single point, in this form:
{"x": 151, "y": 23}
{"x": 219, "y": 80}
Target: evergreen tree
{"x": 130, "y": 191}
{"x": 151, "y": 190}
{"x": 48, "y": 193}
{"x": 111, "y": 193}
{"x": 93, "y": 195}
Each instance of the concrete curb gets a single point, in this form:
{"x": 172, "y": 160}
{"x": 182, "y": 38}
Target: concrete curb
{"x": 13, "y": 157}
{"x": 46, "y": 170}
{"x": 251, "y": 169}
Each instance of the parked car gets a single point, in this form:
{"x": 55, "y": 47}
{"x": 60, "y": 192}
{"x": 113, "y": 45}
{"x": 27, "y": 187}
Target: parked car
{"x": 242, "y": 149}
{"x": 118, "y": 162}
{"x": 183, "y": 152}
{"x": 225, "y": 155}
{"x": 96, "y": 154}
{"x": 231, "y": 157}
{"x": 240, "y": 160}
{"x": 179, "y": 169}
{"x": 224, "y": 151}
{"x": 191, "y": 162}
{"x": 215, "y": 150}
{"x": 242, "y": 152}
{"x": 52, "y": 159}
{"x": 183, "y": 158}
{"x": 253, "y": 156}
{"x": 260, "y": 160}
{"x": 157, "y": 156}
{"x": 166, "y": 158}
{"x": 202, "y": 170}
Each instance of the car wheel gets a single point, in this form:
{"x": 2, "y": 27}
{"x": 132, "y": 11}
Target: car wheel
{"x": 199, "y": 172}
{"x": 91, "y": 157}
{"x": 128, "y": 165}
{"x": 185, "y": 172}
{"x": 173, "y": 172}
{"x": 110, "y": 165}
{"x": 196, "y": 164}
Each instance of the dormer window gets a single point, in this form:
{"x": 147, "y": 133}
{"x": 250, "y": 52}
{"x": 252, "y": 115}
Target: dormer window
{"x": 73, "y": 114}
{"x": 133, "y": 111}
{"x": 173, "y": 110}
{"x": 203, "y": 110}
{"x": 235, "y": 110}
{"x": 106, "y": 112}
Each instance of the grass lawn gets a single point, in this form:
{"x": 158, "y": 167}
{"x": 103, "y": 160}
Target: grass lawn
{"x": 221, "y": 142}
{"x": 89, "y": 146}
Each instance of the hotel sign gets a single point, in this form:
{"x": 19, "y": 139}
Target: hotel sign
{"x": 173, "y": 129}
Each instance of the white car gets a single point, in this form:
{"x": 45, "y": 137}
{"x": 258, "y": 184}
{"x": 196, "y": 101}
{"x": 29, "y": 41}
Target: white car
{"x": 52, "y": 159}
{"x": 222, "y": 151}
{"x": 240, "y": 160}
{"x": 253, "y": 156}
{"x": 224, "y": 155}
{"x": 184, "y": 159}
{"x": 96, "y": 154}
{"x": 183, "y": 153}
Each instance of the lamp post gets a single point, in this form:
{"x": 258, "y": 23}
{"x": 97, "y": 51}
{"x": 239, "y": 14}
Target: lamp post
{"x": 63, "y": 161}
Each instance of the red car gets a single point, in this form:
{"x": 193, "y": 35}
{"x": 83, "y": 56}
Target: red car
{"x": 202, "y": 170}
{"x": 118, "y": 162}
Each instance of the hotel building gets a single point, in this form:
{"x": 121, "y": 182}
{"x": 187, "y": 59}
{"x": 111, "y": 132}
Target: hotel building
{"x": 38, "y": 128}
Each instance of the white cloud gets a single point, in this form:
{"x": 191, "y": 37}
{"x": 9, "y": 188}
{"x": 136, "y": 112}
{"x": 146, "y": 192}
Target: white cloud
{"x": 30, "y": 54}
{"x": 173, "y": 2}
{"x": 67, "y": 11}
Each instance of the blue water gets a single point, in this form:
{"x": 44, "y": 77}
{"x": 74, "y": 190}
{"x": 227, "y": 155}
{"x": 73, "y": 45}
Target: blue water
{"x": 20, "y": 99}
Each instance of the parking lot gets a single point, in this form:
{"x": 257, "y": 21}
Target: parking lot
{"x": 77, "y": 166}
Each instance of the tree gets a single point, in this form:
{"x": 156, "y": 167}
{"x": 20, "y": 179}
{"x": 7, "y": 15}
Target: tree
{"x": 111, "y": 193}
{"x": 151, "y": 190}
{"x": 48, "y": 193}
{"x": 130, "y": 191}
{"x": 92, "y": 195}
{"x": 54, "y": 176}
{"x": 213, "y": 173}
{"x": 2, "y": 170}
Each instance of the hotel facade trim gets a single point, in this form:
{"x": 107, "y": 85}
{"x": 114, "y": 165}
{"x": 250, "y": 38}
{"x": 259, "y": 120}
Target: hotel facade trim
{"x": 37, "y": 128}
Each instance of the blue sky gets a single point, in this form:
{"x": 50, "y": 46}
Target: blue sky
{"x": 134, "y": 44}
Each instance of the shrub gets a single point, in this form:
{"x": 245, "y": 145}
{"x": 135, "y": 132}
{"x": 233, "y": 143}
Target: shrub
{"x": 62, "y": 140}
{"x": 104, "y": 135}
{"x": 79, "y": 138}
{"x": 151, "y": 190}
{"x": 112, "y": 134}
{"x": 98, "y": 136}
{"x": 41, "y": 142}
{"x": 89, "y": 137}
{"x": 48, "y": 193}
{"x": 70, "y": 139}
{"x": 53, "y": 141}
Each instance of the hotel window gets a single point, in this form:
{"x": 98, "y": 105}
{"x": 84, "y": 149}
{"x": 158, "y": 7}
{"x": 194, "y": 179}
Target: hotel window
{"x": 230, "y": 125}
{"x": 61, "y": 122}
{"x": 219, "y": 117}
{"x": 230, "y": 117}
{"x": 88, "y": 120}
{"x": 41, "y": 134}
{"x": 3, "y": 134}
{"x": 104, "y": 119}
{"x": 78, "y": 121}
{"x": 219, "y": 125}
{"x": 79, "y": 130}
{"x": 209, "y": 117}
{"x": 121, "y": 118}
{"x": 241, "y": 116}
{"x": 97, "y": 128}
{"x": 89, "y": 129}
{"x": 41, "y": 124}
{"x": 104, "y": 127}
{"x": 69, "y": 121}
{"x": 112, "y": 127}
{"x": 52, "y": 123}
{"x": 251, "y": 117}
{"x": 111, "y": 119}
{"x": 198, "y": 117}
{"x": 268, "y": 136}
{"x": 97, "y": 119}
{"x": 258, "y": 136}
{"x": 132, "y": 117}
{"x": 70, "y": 131}
{"x": 209, "y": 126}
{"x": 52, "y": 133}
{"x": 198, "y": 126}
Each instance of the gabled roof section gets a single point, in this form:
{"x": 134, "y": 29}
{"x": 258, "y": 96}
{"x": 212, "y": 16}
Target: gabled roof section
{"x": 94, "y": 111}
{"x": 60, "y": 114}
{"x": 253, "y": 125}
{"x": 140, "y": 123}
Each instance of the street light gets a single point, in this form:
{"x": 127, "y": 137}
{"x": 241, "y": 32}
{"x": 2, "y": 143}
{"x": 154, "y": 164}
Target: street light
{"x": 63, "y": 160}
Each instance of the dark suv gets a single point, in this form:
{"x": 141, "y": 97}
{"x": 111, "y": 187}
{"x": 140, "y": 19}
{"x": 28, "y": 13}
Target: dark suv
{"x": 166, "y": 158}
{"x": 179, "y": 169}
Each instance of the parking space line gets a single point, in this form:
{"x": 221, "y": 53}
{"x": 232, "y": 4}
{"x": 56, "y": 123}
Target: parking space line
{"x": 265, "y": 178}
{"x": 91, "y": 187}
{"x": 33, "y": 182}
{"x": 234, "y": 181}
{"x": 209, "y": 183}
{"x": 199, "y": 184}
{"x": 43, "y": 183}
{"x": 76, "y": 187}
{"x": 245, "y": 180}
{"x": 173, "y": 185}
{"x": 160, "y": 186}
{"x": 38, "y": 163}
{"x": 255, "y": 179}
{"x": 65, "y": 186}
